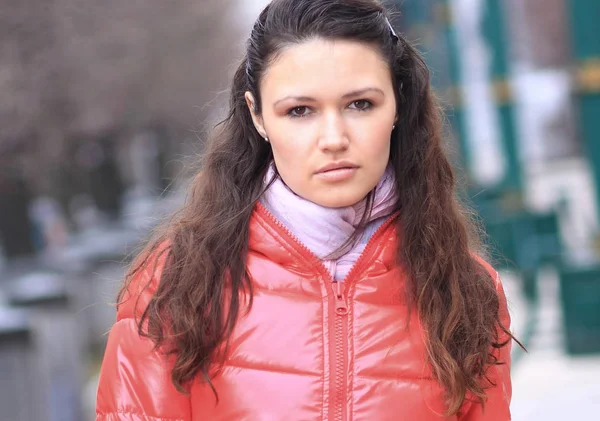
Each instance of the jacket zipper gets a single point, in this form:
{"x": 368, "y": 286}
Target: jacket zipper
{"x": 340, "y": 379}
{"x": 339, "y": 383}
{"x": 339, "y": 342}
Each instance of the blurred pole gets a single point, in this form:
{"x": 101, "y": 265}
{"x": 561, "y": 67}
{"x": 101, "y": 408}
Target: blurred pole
{"x": 428, "y": 23}
{"x": 413, "y": 16}
{"x": 16, "y": 228}
{"x": 585, "y": 38}
{"x": 483, "y": 152}
{"x": 97, "y": 159}
{"x": 580, "y": 284}
{"x": 452, "y": 92}
{"x": 494, "y": 31}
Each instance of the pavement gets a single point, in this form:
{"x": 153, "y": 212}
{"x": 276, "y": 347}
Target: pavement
{"x": 89, "y": 268}
{"x": 548, "y": 384}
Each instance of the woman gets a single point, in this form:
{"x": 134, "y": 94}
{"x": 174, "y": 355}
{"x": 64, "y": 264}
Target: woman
{"x": 322, "y": 268}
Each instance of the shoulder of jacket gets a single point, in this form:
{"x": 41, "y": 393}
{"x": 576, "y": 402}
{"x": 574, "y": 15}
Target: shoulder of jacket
{"x": 143, "y": 283}
{"x": 488, "y": 267}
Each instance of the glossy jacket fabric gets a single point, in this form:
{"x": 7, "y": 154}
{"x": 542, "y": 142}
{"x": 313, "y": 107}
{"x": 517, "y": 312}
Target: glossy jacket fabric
{"x": 309, "y": 349}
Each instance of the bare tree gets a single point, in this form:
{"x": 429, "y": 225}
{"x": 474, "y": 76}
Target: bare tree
{"x": 72, "y": 71}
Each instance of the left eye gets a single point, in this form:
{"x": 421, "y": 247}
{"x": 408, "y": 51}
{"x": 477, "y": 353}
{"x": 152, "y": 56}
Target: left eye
{"x": 361, "y": 105}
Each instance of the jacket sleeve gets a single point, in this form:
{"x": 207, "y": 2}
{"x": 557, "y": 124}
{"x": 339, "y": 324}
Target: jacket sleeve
{"x": 497, "y": 405}
{"x": 135, "y": 380}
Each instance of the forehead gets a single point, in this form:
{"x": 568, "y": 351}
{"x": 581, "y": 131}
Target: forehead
{"x": 325, "y": 67}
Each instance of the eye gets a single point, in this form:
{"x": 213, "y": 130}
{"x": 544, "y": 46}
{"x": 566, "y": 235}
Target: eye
{"x": 297, "y": 112}
{"x": 361, "y": 105}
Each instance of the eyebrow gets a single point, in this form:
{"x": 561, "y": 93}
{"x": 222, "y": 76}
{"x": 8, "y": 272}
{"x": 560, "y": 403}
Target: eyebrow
{"x": 348, "y": 95}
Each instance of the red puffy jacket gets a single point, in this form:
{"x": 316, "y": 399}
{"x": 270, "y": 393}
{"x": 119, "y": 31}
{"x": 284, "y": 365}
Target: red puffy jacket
{"x": 309, "y": 349}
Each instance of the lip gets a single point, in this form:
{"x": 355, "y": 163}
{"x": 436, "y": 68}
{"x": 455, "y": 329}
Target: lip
{"x": 342, "y": 165}
{"x": 337, "y": 172}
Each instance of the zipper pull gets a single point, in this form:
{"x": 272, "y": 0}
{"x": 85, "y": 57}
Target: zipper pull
{"x": 341, "y": 308}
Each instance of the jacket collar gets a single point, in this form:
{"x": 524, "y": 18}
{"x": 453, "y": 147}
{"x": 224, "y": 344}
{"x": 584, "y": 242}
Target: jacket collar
{"x": 270, "y": 238}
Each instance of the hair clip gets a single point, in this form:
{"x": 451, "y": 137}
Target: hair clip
{"x": 392, "y": 32}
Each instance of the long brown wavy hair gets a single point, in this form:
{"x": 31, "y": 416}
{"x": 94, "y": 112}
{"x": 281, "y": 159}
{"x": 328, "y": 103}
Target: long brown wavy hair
{"x": 205, "y": 285}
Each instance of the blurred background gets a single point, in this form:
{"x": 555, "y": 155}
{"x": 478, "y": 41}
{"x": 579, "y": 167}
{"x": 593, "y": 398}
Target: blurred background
{"x": 103, "y": 106}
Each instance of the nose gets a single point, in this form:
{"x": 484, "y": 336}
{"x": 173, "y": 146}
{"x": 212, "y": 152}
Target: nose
{"x": 333, "y": 136}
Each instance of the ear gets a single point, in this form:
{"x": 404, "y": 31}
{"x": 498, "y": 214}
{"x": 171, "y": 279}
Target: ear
{"x": 256, "y": 119}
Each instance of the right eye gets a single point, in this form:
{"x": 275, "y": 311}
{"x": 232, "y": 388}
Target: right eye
{"x": 298, "y": 112}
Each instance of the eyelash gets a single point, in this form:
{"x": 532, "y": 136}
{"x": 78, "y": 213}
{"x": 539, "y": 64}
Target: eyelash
{"x": 369, "y": 106}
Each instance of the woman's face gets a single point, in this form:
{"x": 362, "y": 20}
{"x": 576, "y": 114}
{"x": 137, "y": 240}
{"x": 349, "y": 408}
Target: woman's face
{"x": 328, "y": 109}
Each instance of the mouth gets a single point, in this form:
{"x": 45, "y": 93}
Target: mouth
{"x": 337, "y": 166}
{"x": 337, "y": 172}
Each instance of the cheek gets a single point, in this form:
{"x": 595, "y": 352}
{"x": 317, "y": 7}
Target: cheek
{"x": 292, "y": 144}
{"x": 289, "y": 151}
{"x": 291, "y": 159}
{"x": 376, "y": 141}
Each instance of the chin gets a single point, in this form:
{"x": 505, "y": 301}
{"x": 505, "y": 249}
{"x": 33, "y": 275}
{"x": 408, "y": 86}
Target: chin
{"x": 333, "y": 201}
